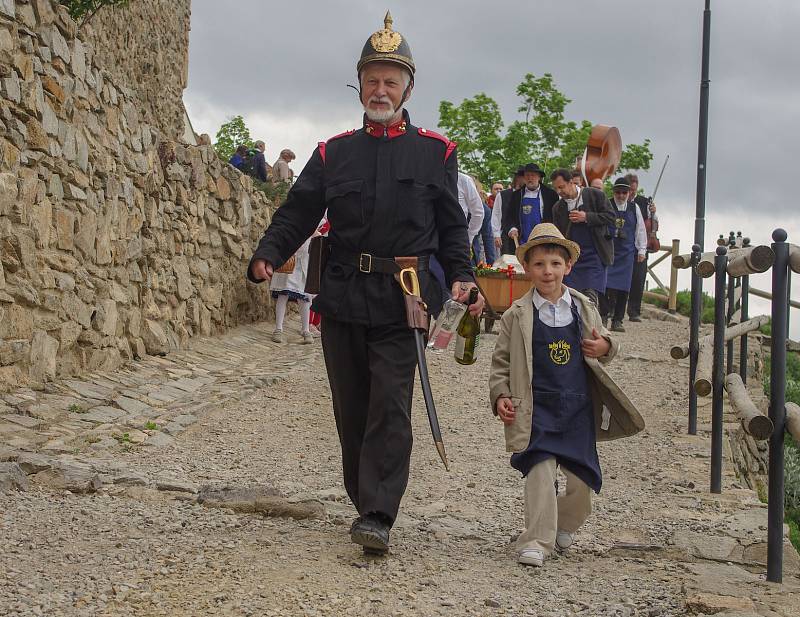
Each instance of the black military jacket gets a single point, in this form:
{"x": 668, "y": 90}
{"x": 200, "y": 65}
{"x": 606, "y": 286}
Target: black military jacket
{"x": 389, "y": 192}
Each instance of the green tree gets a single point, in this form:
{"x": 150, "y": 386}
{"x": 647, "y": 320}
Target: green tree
{"x": 83, "y": 10}
{"x": 476, "y": 125}
{"x": 230, "y": 135}
{"x": 542, "y": 133}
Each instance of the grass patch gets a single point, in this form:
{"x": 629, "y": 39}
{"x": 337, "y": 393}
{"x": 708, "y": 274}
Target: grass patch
{"x": 150, "y": 426}
{"x": 122, "y": 438}
{"x": 683, "y": 304}
{"x": 75, "y": 408}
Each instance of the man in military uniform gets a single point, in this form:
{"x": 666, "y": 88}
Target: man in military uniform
{"x": 390, "y": 191}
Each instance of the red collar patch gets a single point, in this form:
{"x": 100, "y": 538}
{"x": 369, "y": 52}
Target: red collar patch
{"x": 376, "y": 129}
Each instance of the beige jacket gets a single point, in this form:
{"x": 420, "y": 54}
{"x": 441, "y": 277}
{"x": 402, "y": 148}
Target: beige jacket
{"x": 511, "y": 375}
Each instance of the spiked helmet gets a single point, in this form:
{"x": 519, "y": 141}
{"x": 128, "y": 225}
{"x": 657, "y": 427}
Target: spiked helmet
{"x": 387, "y": 45}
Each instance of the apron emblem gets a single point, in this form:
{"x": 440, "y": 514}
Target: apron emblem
{"x": 559, "y": 352}
{"x": 527, "y": 209}
{"x": 620, "y": 223}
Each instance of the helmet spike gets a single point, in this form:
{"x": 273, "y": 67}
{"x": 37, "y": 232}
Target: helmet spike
{"x": 388, "y": 21}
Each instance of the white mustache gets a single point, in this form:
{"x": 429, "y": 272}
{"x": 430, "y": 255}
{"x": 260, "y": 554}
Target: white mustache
{"x": 383, "y": 99}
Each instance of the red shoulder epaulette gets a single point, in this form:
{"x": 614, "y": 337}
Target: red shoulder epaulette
{"x": 322, "y": 144}
{"x": 451, "y": 145}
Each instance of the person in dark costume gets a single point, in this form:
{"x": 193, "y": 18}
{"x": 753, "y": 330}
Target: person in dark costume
{"x": 549, "y": 388}
{"x": 630, "y": 247}
{"x": 390, "y": 192}
{"x": 531, "y": 205}
{"x": 648, "y": 209}
{"x": 583, "y": 215}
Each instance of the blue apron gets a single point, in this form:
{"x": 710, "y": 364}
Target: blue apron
{"x": 589, "y": 272}
{"x": 621, "y": 271}
{"x": 530, "y": 215}
{"x": 563, "y": 419}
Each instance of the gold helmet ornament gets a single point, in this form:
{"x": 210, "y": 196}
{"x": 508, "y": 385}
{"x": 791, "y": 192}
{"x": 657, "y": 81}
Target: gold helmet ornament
{"x": 387, "y": 45}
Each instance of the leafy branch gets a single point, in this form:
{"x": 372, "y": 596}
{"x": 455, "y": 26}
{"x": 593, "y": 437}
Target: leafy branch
{"x": 82, "y": 11}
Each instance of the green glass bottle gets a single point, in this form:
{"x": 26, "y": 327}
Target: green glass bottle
{"x": 467, "y": 333}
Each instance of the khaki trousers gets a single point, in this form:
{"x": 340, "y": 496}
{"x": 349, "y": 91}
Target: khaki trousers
{"x": 546, "y": 513}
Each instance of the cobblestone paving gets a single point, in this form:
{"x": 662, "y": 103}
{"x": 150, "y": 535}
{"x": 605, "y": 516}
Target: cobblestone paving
{"x": 115, "y": 514}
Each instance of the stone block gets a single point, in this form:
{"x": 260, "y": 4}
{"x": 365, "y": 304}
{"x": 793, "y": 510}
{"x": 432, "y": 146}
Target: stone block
{"x": 43, "y": 356}
{"x": 36, "y": 136}
{"x": 44, "y": 12}
{"x": 41, "y": 219}
{"x": 7, "y": 7}
{"x": 9, "y": 191}
{"x": 16, "y": 322}
{"x": 73, "y": 479}
{"x": 711, "y": 604}
{"x": 30, "y": 463}
{"x": 59, "y": 45}
{"x": 76, "y": 309}
{"x": 183, "y": 278}
{"x": 68, "y": 334}
{"x": 14, "y": 351}
{"x": 87, "y": 234}
{"x": 12, "y": 478}
{"x": 103, "y": 415}
{"x": 155, "y": 338}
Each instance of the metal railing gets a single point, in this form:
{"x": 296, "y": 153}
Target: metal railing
{"x": 732, "y": 264}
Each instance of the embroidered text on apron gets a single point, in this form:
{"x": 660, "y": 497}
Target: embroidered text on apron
{"x": 621, "y": 271}
{"x": 589, "y": 272}
{"x": 563, "y": 419}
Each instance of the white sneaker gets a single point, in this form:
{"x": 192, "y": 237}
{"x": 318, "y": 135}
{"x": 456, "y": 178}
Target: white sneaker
{"x": 277, "y": 336}
{"x": 307, "y": 338}
{"x": 564, "y": 540}
{"x": 531, "y": 557}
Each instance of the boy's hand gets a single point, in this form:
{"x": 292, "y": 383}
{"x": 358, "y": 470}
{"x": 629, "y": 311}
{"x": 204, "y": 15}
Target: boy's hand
{"x": 505, "y": 409}
{"x": 595, "y": 347}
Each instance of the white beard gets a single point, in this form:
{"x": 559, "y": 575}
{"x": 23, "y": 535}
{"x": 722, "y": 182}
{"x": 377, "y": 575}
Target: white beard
{"x": 620, "y": 203}
{"x": 380, "y": 115}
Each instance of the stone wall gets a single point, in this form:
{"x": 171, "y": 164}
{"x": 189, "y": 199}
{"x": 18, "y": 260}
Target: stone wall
{"x": 114, "y": 241}
{"x": 145, "y": 46}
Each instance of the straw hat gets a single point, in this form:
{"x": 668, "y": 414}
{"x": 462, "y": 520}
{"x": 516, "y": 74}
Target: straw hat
{"x": 547, "y": 233}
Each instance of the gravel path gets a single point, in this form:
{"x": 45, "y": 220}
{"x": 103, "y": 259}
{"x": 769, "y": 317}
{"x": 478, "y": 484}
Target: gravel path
{"x": 132, "y": 549}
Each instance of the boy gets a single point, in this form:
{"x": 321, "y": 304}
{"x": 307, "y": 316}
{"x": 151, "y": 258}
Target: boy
{"x": 550, "y": 390}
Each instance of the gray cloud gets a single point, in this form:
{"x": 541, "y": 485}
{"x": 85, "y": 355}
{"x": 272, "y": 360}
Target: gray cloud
{"x": 632, "y": 63}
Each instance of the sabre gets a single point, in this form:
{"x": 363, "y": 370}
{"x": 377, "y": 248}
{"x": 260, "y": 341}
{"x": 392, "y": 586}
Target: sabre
{"x": 417, "y": 315}
{"x": 663, "y": 167}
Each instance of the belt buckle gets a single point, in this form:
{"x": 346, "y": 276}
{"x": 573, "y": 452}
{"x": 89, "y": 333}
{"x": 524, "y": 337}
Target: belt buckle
{"x": 361, "y": 259}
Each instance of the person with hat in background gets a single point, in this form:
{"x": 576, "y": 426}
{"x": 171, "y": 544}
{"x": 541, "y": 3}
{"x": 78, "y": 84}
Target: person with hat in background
{"x": 648, "y": 209}
{"x": 531, "y": 205}
{"x": 548, "y": 386}
{"x": 502, "y": 201}
{"x": 583, "y": 215}
{"x": 630, "y": 246}
{"x": 390, "y": 191}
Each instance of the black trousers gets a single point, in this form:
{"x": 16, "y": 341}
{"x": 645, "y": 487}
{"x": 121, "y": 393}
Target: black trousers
{"x": 614, "y": 306}
{"x": 637, "y": 288}
{"x": 371, "y": 375}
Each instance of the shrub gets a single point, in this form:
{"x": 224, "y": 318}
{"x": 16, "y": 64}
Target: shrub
{"x": 83, "y": 10}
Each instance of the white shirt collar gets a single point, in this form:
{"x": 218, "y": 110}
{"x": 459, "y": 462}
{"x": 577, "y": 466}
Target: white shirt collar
{"x": 565, "y": 299}
{"x": 535, "y": 193}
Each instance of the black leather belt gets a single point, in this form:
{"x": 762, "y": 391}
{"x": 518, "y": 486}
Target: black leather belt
{"x": 368, "y": 263}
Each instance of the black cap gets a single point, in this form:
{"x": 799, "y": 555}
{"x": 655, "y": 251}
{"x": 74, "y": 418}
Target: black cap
{"x": 621, "y": 183}
{"x": 386, "y": 45}
{"x": 533, "y": 167}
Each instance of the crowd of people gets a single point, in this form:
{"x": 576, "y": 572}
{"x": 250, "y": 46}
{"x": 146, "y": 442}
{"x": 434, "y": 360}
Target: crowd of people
{"x": 611, "y": 233}
{"x": 252, "y": 161}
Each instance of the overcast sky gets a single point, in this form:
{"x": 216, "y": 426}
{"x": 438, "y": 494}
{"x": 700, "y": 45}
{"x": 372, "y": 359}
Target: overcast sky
{"x": 634, "y": 64}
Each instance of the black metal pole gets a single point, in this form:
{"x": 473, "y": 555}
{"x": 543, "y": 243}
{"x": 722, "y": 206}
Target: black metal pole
{"x": 718, "y": 368}
{"x": 777, "y": 409}
{"x": 702, "y": 140}
{"x": 728, "y": 315}
{"x": 694, "y": 333}
{"x": 788, "y": 298}
{"x": 743, "y": 340}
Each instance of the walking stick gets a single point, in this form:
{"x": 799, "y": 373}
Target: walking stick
{"x": 417, "y": 315}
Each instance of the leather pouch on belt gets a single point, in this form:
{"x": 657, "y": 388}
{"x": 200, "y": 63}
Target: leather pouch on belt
{"x": 416, "y": 313}
{"x": 318, "y": 250}
{"x": 406, "y": 262}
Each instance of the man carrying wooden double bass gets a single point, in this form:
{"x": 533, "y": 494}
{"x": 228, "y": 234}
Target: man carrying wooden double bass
{"x": 390, "y": 191}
